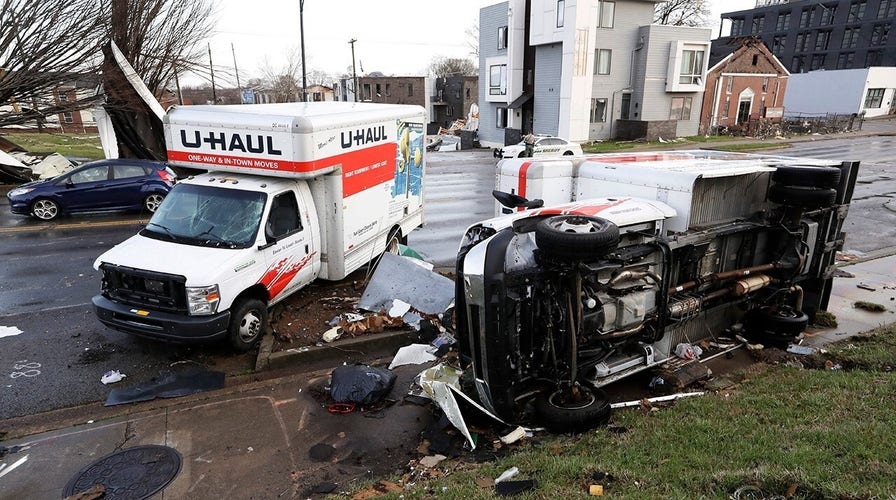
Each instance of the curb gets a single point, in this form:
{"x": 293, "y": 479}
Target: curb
{"x": 362, "y": 345}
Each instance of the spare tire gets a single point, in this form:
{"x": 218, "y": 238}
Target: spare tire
{"x": 807, "y": 175}
{"x": 775, "y": 327}
{"x": 802, "y": 196}
{"x": 576, "y": 237}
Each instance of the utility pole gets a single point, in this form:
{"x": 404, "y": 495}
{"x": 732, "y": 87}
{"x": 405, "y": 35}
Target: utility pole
{"x": 302, "y": 31}
{"x": 180, "y": 95}
{"x": 354, "y": 71}
{"x": 211, "y": 68}
{"x": 235, "y": 69}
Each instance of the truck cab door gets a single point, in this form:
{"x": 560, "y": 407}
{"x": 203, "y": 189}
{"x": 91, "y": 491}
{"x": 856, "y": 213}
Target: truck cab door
{"x": 289, "y": 252}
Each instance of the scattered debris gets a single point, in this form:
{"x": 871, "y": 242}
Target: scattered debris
{"x": 332, "y": 334}
{"x": 398, "y": 278}
{"x": 9, "y": 331}
{"x": 840, "y": 273}
{"x": 688, "y": 351}
{"x": 378, "y": 489}
{"x": 322, "y": 488}
{"x": 864, "y": 286}
{"x": 825, "y": 319}
{"x": 658, "y": 399}
{"x": 508, "y": 488}
{"x": 360, "y": 384}
{"x": 507, "y": 474}
{"x": 168, "y": 385}
{"x": 514, "y": 435}
{"x": 801, "y": 350}
{"x": 432, "y": 460}
{"x": 112, "y": 376}
{"x": 596, "y": 490}
{"x": 869, "y": 306}
{"x": 96, "y": 492}
{"x": 414, "y": 354}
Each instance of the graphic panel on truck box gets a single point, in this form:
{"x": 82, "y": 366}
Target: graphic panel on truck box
{"x": 409, "y": 163}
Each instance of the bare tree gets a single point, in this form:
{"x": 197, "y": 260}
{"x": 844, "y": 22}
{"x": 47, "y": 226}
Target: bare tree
{"x": 472, "y": 40}
{"x": 44, "y": 43}
{"x": 682, "y": 13}
{"x": 284, "y": 84}
{"x": 161, "y": 37}
{"x": 452, "y": 66}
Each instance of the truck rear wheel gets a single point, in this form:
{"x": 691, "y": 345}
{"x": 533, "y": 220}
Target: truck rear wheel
{"x": 561, "y": 411}
{"x": 808, "y": 176}
{"x": 247, "y": 324}
{"x": 576, "y": 236}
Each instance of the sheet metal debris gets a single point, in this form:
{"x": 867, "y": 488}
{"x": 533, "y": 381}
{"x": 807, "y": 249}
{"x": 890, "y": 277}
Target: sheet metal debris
{"x": 658, "y": 399}
{"x": 414, "y": 354}
{"x": 168, "y": 385}
{"x": 397, "y": 277}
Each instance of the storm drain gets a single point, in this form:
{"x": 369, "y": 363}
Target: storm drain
{"x": 134, "y": 473}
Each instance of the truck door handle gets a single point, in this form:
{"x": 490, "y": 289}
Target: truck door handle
{"x": 306, "y": 249}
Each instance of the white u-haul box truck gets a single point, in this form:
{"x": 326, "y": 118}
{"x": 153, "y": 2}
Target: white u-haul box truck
{"x": 293, "y": 192}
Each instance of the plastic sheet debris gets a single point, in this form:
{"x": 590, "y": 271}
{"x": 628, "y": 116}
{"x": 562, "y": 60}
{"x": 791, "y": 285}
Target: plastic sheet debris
{"x": 397, "y": 277}
{"x": 507, "y": 474}
{"x": 399, "y": 308}
{"x": 441, "y": 384}
{"x": 331, "y": 334}
{"x": 360, "y": 384}
{"x": 168, "y": 385}
{"x": 414, "y": 354}
{"x": 658, "y": 399}
{"x": 514, "y": 435}
{"x": 801, "y": 350}
{"x": 9, "y": 331}
{"x": 112, "y": 376}
{"x": 345, "y": 318}
{"x": 431, "y": 461}
{"x": 688, "y": 351}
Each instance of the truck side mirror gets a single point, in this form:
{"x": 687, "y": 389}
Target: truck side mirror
{"x": 269, "y": 238}
{"x": 511, "y": 200}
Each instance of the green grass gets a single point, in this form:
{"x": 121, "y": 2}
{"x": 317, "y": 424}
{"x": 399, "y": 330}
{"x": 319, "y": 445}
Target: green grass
{"x": 749, "y": 146}
{"x": 76, "y": 145}
{"x": 829, "y": 433}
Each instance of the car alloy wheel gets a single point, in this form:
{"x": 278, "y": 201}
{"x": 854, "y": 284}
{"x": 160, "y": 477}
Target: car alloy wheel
{"x": 152, "y": 202}
{"x": 45, "y": 209}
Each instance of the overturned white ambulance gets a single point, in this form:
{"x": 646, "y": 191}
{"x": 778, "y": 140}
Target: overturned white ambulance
{"x": 294, "y": 192}
{"x": 598, "y": 267}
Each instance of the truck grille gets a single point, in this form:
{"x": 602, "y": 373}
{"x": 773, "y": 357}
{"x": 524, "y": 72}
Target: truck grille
{"x": 148, "y": 289}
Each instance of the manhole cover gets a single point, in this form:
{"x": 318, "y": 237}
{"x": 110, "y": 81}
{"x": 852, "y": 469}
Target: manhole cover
{"x": 134, "y": 473}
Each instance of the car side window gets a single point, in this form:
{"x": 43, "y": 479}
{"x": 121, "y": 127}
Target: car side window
{"x": 284, "y": 218}
{"x": 128, "y": 171}
{"x": 93, "y": 174}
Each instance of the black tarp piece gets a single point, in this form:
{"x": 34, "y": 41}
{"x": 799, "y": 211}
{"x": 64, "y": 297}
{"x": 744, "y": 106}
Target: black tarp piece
{"x": 135, "y": 113}
{"x": 360, "y": 384}
{"x": 168, "y": 385}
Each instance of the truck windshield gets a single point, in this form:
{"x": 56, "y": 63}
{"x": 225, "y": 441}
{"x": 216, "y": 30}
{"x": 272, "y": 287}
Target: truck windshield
{"x": 208, "y": 216}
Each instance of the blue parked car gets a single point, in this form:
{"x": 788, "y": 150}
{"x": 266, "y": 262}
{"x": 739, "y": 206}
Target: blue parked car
{"x": 97, "y": 186}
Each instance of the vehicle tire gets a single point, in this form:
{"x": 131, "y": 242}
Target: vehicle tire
{"x": 802, "y": 196}
{"x": 568, "y": 153}
{"x": 248, "y": 322}
{"x": 45, "y": 209}
{"x": 592, "y": 409}
{"x": 522, "y": 155}
{"x": 777, "y": 327}
{"x": 576, "y": 236}
{"x": 392, "y": 242}
{"x": 151, "y": 202}
{"x": 808, "y": 176}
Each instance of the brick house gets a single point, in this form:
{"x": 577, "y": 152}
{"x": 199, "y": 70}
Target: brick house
{"x": 746, "y": 86}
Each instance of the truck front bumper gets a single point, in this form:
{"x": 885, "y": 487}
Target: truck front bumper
{"x": 160, "y": 325}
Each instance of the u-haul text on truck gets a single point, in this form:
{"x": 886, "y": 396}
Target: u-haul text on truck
{"x": 293, "y": 192}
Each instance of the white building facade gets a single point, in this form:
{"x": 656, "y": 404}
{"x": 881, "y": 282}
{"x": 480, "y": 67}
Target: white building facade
{"x": 871, "y": 91}
{"x": 586, "y": 70}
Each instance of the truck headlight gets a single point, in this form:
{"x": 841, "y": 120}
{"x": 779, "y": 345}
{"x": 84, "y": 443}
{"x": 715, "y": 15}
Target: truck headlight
{"x": 203, "y": 300}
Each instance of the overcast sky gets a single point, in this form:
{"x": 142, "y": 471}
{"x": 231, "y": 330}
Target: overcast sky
{"x": 394, "y": 37}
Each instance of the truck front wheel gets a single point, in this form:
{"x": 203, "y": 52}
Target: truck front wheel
{"x": 247, "y": 324}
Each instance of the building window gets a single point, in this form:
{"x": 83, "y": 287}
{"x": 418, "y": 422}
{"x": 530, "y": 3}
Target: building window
{"x": 691, "y": 67}
{"x": 805, "y": 17}
{"x": 561, "y": 8}
{"x": 778, "y": 43}
{"x": 598, "y": 110}
{"x": 681, "y": 108}
{"x": 822, "y": 38}
{"x": 827, "y": 14}
{"x": 887, "y": 9}
{"x": 502, "y": 37}
{"x": 801, "y": 42}
{"x": 783, "y": 23}
{"x": 856, "y": 12}
{"x": 874, "y": 58}
{"x": 501, "y": 118}
{"x": 365, "y": 92}
{"x": 758, "y": 25}
{"x": 798, "y": 64}
{"x": 874, "y": 98}
{"x": 730, "y": 86}
{"x": 606, "y": 14}
{"x": 410, "y": 90}
{"x": 67, "y": 117}
{"x": 727, "y": 108}
{"x": 379, "y": 89}
{"x": 845, "y": 60}
{"x": 817, "y": 62}
{"x": 496, "y": 80}
{"x": 737, "y": 27}
{"x": 602, "y": 61}
{"x": 765, "y": 84}
{"x": 850, "y": 38}
{"x": 880, "y": 34}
